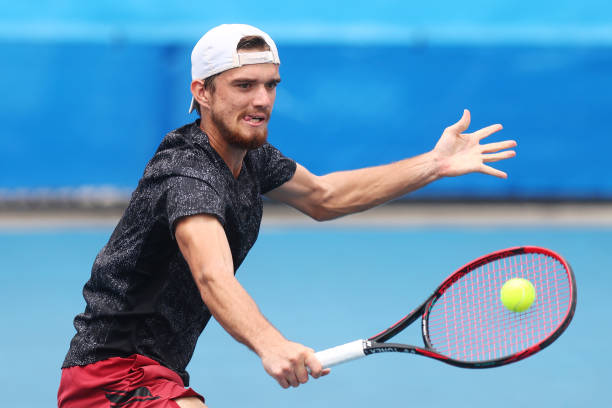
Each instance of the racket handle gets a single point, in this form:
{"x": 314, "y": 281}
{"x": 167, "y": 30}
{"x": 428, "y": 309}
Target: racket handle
{"x": 340, "y": 354}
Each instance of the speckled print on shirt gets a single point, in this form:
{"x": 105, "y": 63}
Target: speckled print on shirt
{"x": 141, "y": 297}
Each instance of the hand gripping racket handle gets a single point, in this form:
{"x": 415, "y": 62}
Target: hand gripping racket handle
{"x": 340, "y": 354}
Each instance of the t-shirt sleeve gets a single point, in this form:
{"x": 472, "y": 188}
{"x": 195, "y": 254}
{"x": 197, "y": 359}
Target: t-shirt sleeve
{"x": 274, "y": 168}
{"x": 190, "y": 196}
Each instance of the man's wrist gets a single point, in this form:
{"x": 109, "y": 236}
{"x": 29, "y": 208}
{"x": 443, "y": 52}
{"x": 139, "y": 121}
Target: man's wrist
{"x": 266, "y": 339}
{"x": 436, "y": 165}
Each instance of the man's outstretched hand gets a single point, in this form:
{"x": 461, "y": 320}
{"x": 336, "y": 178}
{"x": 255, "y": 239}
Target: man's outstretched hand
{"x": 461, "y": 153}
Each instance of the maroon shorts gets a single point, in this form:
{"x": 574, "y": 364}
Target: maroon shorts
{"x": 132, "y": 382}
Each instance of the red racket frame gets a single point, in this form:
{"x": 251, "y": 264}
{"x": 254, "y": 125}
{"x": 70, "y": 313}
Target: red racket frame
{"x": 376, "y": 343}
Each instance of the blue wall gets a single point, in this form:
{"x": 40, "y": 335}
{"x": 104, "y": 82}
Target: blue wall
{"x": 88, "y": 96}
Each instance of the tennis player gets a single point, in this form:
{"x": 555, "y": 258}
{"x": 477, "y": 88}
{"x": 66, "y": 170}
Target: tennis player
{"x": 170, "y": 263}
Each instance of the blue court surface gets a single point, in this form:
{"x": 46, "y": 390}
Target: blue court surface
{"x": 323, "y": 287}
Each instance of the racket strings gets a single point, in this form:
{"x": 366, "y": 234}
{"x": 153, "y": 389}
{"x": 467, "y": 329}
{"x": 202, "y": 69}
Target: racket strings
{"x": 469, "y": 322}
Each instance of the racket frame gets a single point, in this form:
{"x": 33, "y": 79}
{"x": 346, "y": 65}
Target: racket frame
{"x": 377, "y": 343}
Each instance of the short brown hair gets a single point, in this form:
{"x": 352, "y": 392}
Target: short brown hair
{"x": 250, "y": 42}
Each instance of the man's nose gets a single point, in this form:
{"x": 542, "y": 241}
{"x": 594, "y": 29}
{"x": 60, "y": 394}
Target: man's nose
{"x": 262, "y": 97}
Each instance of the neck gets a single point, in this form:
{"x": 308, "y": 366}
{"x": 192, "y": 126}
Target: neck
{"x": 232, "y": 156}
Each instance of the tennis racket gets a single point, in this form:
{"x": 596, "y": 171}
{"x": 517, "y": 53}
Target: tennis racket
{"x": 464, "y": 322}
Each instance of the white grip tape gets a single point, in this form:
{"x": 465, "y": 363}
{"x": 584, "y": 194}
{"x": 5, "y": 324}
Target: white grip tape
{"x": 341, "y": 354}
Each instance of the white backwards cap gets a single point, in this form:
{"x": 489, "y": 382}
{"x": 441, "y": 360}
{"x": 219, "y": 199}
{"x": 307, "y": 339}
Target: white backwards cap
{"x": 216, "y": 52}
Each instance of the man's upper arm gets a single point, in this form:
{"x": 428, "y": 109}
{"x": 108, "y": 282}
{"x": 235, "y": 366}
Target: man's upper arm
{"x": 188, "y": 196}
{"x": 203, "y": 243}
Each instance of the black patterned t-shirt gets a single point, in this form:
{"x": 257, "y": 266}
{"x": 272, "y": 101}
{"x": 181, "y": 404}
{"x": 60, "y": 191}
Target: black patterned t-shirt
{"x": 141, "y": 297}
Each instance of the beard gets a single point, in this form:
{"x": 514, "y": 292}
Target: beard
{"x": 236, "y": 138}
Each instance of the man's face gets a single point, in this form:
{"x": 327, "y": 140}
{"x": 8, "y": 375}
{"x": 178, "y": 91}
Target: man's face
{"x": 242, "y": 102}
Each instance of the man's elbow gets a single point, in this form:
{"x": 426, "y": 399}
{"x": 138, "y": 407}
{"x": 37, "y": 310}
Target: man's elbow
{"x": 212, "y": 277}
{"x": 323, "y": 206}
{"x": 321, "y": 214}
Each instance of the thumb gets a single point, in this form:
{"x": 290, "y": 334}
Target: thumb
{"x": 463, "y": 123}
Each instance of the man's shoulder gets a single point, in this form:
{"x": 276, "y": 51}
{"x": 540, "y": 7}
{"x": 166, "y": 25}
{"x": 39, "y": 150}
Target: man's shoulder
{"x": 262, "y": 153}
{"x": 184, "y": 136}
{"x": 183, "y": 152}
{"x": 270, "y": 167}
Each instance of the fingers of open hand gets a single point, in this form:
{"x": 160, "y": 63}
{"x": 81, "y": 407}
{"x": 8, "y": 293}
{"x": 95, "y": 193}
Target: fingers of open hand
{"x": 489, "y": 158}
{"x": 496, "y": 156}
{"x": 495, "y": 147}
{"x": 487, "y": 131}
{"x": 493, "y": 172}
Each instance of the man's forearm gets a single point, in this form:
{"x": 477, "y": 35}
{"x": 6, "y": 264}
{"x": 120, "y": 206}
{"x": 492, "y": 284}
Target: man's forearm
{"x": 237, "y": 312}
{"x": 358, "y": 190}
{"x": 204, "y": 246}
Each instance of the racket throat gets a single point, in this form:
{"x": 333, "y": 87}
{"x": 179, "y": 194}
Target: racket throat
{"x": 375, "y": 348}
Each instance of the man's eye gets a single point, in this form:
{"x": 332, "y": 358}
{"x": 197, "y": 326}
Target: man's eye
{"x": 245, "y": 85}
{"x": 272, "y": 85}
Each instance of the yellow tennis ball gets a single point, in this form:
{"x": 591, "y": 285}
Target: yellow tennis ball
{"x": 517, "y": 294}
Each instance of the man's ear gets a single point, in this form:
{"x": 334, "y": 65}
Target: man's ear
{"x": 200, "y": 94}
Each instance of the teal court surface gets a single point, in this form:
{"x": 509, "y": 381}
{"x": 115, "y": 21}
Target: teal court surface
{"x": 322, "y": 287}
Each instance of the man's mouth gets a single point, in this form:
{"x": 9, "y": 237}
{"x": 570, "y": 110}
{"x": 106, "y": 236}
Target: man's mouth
{"x": 255, "y": 119}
